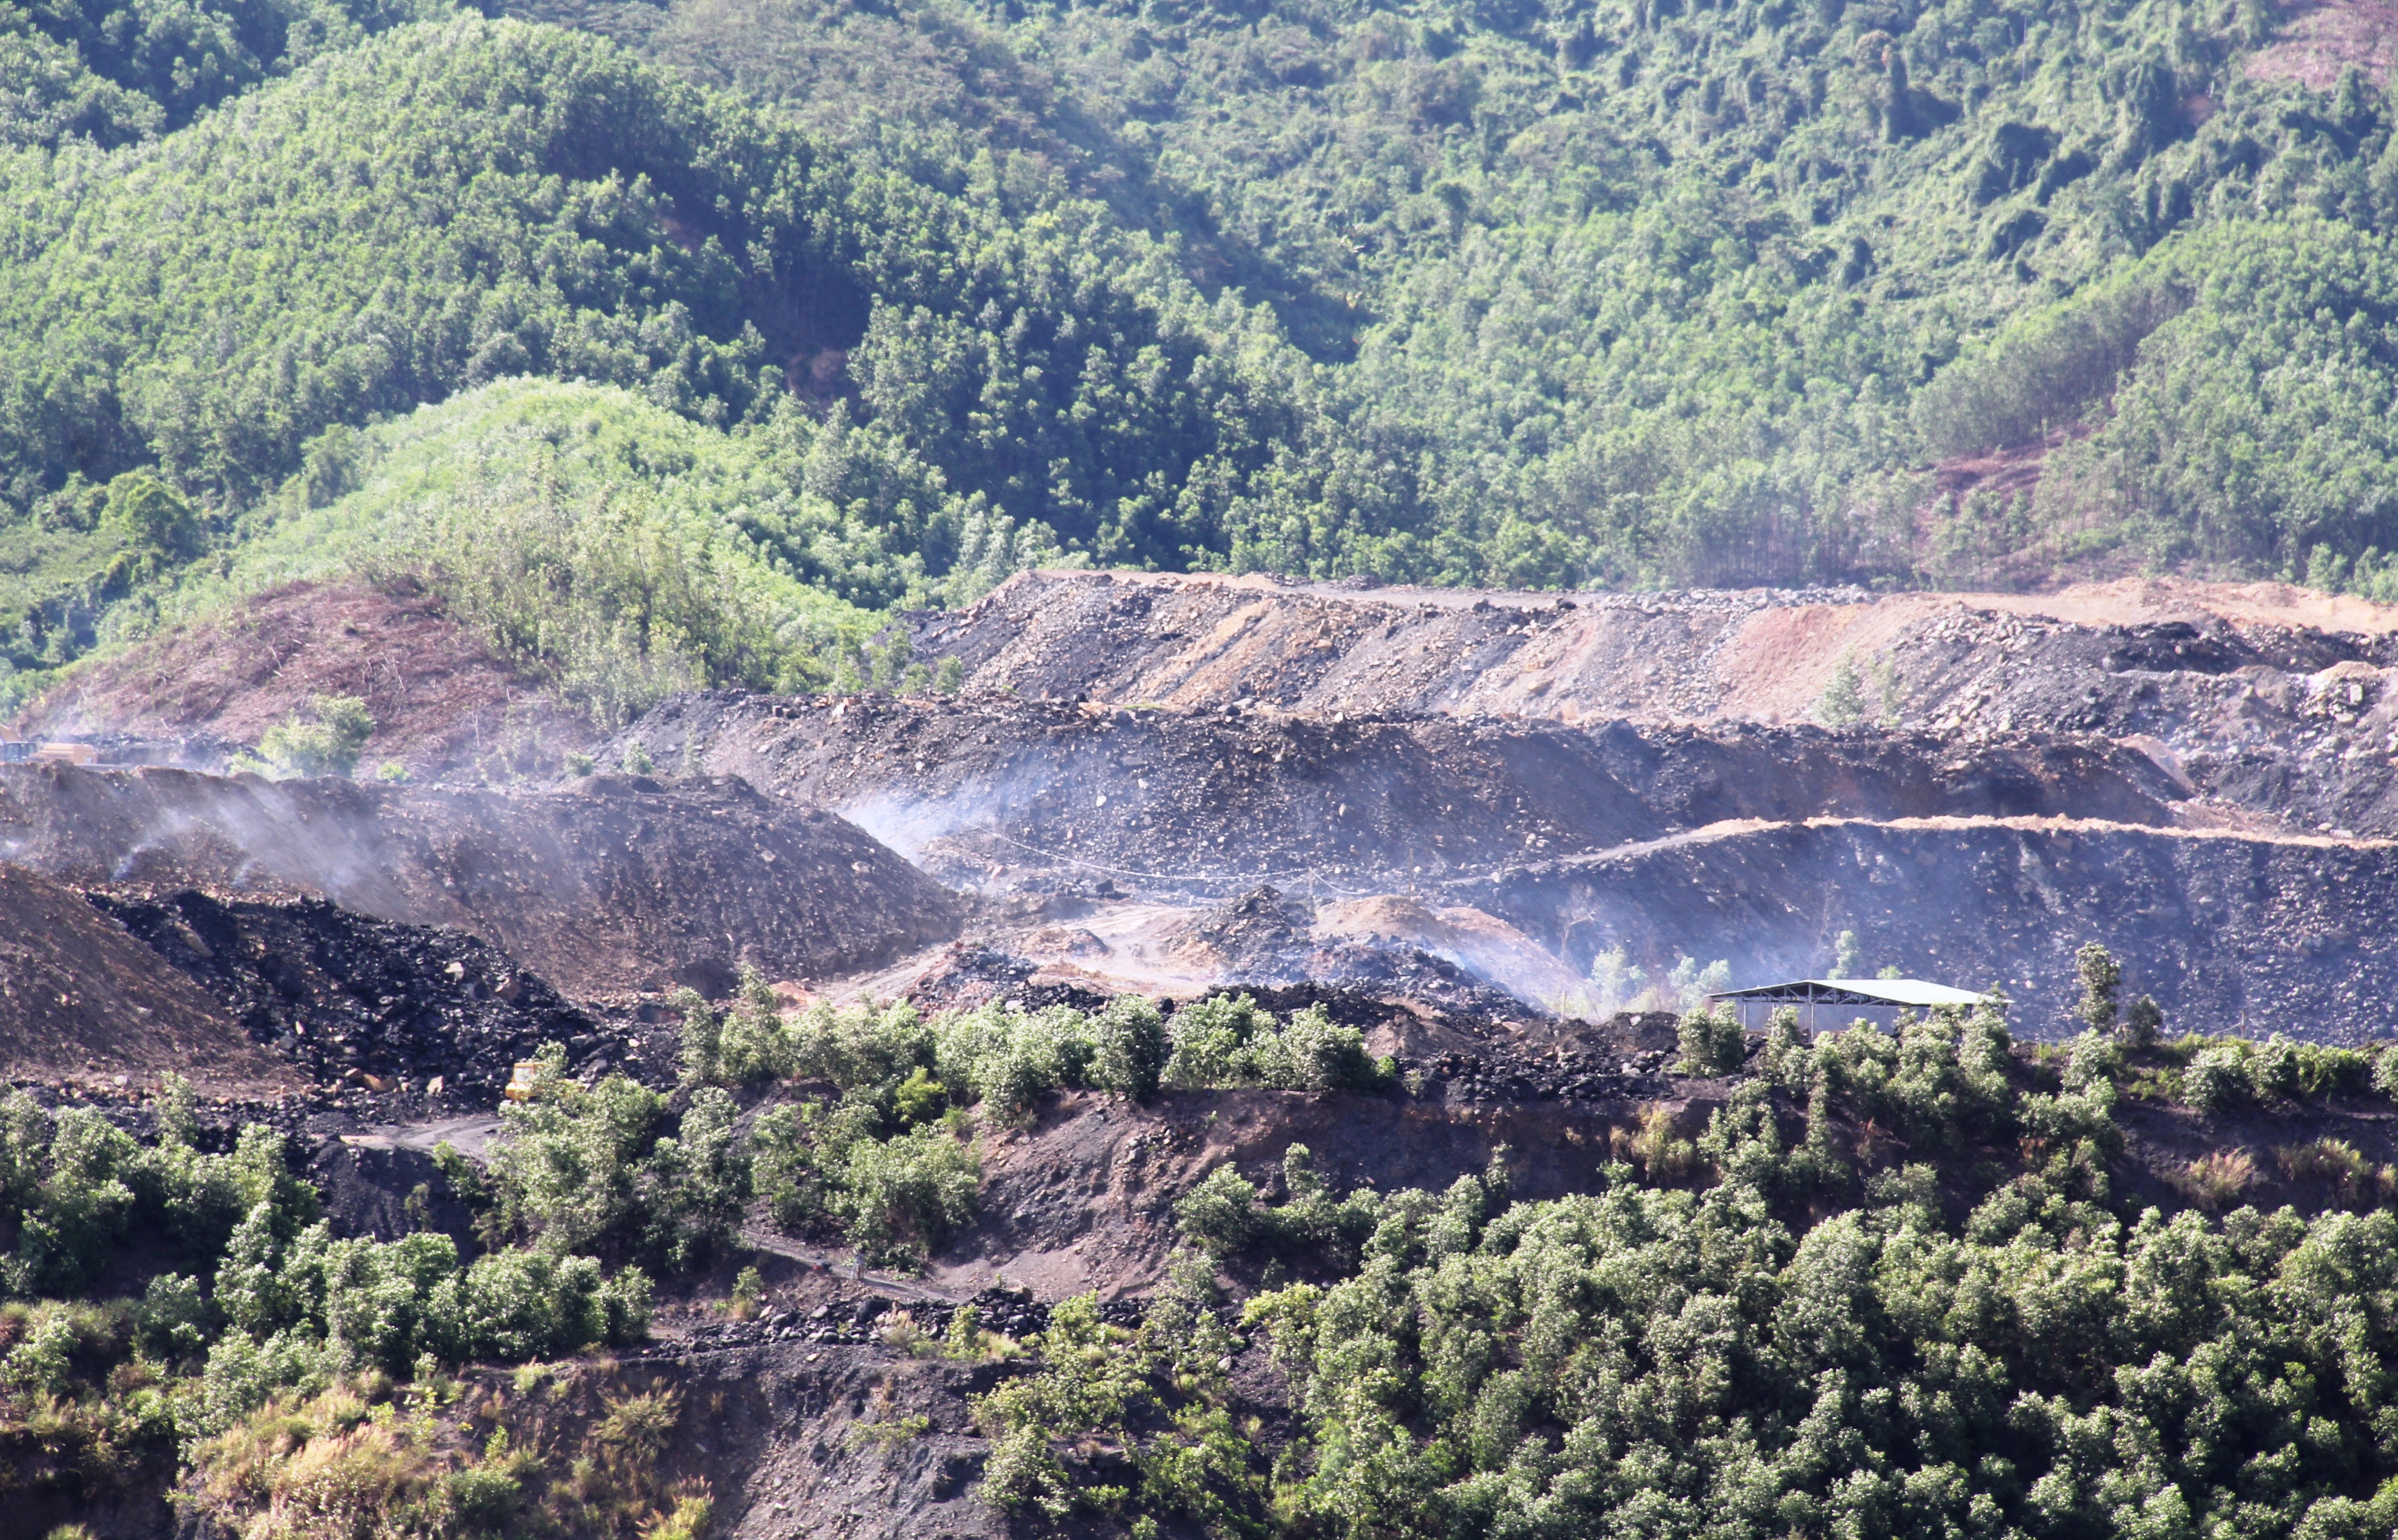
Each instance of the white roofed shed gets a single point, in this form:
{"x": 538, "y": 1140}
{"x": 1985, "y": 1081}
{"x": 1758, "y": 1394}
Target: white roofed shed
{"x": 1874, "y": 996}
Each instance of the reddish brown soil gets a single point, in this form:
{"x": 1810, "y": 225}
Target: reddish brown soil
{"x": 2319, "y": 41}
{"x": 445, "y": 704}
{"x": 81, "y": 999}
{"x": 1981, "y": 662}
{"x": 2004, "y": 472}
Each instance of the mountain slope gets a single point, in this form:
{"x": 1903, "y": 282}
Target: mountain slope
{"x": 1641, "y": 291}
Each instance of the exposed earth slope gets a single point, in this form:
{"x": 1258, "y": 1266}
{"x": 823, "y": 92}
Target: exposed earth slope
{"x": 615, "y": 883}
{"x": 81, "y": 999}
{"x": 445, "y": 704}
{"x": 2198, "y": 777}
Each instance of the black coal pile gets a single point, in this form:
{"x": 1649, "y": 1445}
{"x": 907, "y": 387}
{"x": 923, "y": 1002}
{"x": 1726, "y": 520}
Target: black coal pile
{"x": 1411, "y": 971}
{"x": 1256, "y": 935}
{"x": 1263, "y": 940}
{"x": 371, "y": 1001}
{"x": 1572, "y": 1076}
{"x": 857, "y": 1322}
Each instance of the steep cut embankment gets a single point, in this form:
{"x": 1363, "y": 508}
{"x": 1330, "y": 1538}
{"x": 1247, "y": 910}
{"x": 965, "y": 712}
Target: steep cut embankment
{"x": 2230, "y": 932}
{"x": 996, "y": 791}
{"x": 1993, "y": 860}
{"x": 615, "y": 883}
{"x": 2272, "y": 698}
{"x": 80, "y": 997}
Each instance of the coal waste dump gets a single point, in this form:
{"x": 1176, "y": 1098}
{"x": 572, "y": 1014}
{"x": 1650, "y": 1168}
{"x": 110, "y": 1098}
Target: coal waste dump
{"x": 346, "y": 995}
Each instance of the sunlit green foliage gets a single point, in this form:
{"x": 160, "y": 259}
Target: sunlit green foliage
{"x": 269, "y": 1299}
{"x": 1159, "y": 1394}
{"x": 324, "y": 742}
{"x": 106, "y": 74}
{"x": 1226, "y": 1041}
{"x": 1633, "y": 294}
{"x": 73, "y": 1187}
{"x": 1913, "y": 1308}
{"x": 608, "y": 1169}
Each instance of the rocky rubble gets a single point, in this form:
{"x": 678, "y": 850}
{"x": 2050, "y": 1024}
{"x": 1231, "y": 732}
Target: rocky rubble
{"x": 1964, "y": 862}
{"x": 861, "y": 1320}
{"x": 373, "y": 1002}
{"x": 1001, "y": 794}
{"x": 2224, "y": 682}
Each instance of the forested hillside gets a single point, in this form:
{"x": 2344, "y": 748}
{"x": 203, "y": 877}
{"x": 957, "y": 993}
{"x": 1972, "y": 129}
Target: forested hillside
{"x": 1652, "y": 294}
{"x": 1613, "y": 294}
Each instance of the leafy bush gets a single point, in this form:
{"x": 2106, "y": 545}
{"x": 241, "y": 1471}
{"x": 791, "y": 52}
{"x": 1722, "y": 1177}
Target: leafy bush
{"x": 1712, "y": 1042}
{"x": 328, "y": 745}
{"x": 1220, "y": 1212}
{"x": 745, "y": 1043}
{"x": 74, "y": 1186}
{"x": 1137, "y": 1392}
{"x": 900, "y": 1198}
{"x": 2218, "y": 1078}
{"x": 1223, "y": 1217}
{"x": 897, "y": 1194}
{"x": 1666, "y": 1158}
{"x": 1945, "y": 1078}
{"x": 1226, "y": 1041}
{"x": 608, "y": 1169}
{"x": 311, "y": 1308}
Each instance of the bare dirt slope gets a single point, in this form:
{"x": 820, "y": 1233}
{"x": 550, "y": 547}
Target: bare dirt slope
{"x": 2318, "y": 40}
{"x": 2222, "y": 681}
{"x": 82, "y": 1000}
{"x": 2230, "y": 932}
{"x": 445, "y": 704}
{"x": 613, "y": 883}
{"x": 1513, "y": 854}
{"x": 994, "y": 790}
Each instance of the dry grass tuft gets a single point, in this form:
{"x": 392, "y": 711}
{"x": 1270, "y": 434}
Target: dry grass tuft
{"x": 1664, "y": 1155}
{"x": 2216, "y": 1179}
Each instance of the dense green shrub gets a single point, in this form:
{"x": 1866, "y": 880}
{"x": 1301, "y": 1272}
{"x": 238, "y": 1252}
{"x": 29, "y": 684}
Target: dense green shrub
{"x": 1226, "y": 1041}
{"x": 886, "y": 1157}
{"x": 995, "y": 1055}
{"x": 1222, "y": 1216}
{"x": 609, "y": 1169}
{"x": 1712, "y": 1042}
{"x": 74, "y": 1186}
{"x": 271, "y": 1301}
{"x": 331, "y": 1307}
{"x": 895, "y": 1187}
{"x": 1682, "y": 1364}
{"x": 1939, "y": 1347}
{"x": 328, "y": 745}
{"x": 1157, "y": 1393}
